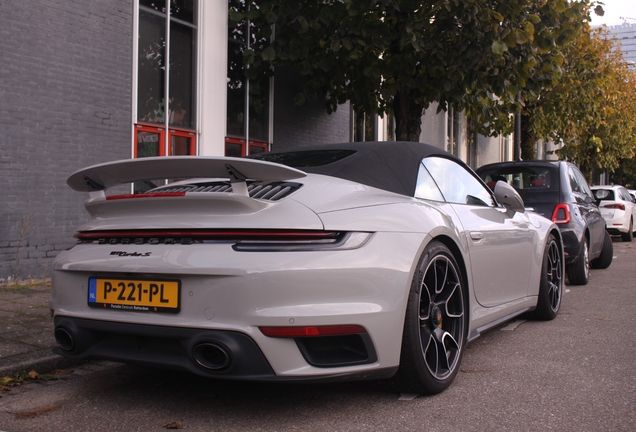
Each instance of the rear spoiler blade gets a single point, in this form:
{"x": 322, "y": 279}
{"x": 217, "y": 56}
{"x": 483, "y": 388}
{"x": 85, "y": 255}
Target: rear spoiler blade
{"x": 102, "y": 176}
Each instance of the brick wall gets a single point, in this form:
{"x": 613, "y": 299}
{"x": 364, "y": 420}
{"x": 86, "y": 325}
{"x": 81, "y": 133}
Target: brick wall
{"x": 65, "y": 103}
{"x": 297, "y": 126}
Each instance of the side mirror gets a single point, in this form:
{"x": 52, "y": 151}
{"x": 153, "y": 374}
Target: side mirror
{"x": 507, "y": 196}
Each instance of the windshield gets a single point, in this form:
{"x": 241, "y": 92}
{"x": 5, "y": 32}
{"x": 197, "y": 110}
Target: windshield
{"x": 524, "y": 178}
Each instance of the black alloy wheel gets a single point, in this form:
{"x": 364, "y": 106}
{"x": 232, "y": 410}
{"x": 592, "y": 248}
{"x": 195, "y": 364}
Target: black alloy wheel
{"x": 579, "y": 271}
{"x": 436, "y": 324}
{"x": 551, "y": 285}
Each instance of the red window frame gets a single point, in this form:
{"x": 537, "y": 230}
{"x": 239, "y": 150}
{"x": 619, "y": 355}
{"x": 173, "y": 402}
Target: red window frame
{"x": 150, "y": 129}
{"x": 240, "y": 141}
{"x": 161, "y": 131}
{"x": 185, "y": 134}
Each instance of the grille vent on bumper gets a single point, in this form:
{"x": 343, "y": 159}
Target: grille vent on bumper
{"x": 270, "y": 192}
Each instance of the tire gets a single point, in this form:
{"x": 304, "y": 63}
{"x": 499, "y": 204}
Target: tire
{"x": 551, "y": 285}
{"x": 629, "y": 235}
{"x": 607, "y": 254}
{"x": 579, "y": 271}
{"x": 436, "y": 324}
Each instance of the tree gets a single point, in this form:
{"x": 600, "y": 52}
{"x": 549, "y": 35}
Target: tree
{"x": 399, "y": 56}
{"x": 591, "y": 108}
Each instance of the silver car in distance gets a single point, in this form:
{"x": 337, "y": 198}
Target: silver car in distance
{"x": 336, "y": 262}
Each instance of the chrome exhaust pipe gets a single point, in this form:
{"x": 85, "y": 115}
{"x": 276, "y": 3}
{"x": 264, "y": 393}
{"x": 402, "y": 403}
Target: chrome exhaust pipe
{"x": 65, "y": 339}
{"x": 211, "y": 356}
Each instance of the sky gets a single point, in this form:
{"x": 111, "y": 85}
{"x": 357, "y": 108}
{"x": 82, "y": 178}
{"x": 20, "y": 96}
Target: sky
{"x": 614, "y": 9}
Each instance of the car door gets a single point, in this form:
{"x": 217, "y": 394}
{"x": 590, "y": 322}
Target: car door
{"x": 588, "y": 209}
{"x": 500, "y": 246}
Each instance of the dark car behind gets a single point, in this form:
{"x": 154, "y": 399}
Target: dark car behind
{"x": 558, "y": 191}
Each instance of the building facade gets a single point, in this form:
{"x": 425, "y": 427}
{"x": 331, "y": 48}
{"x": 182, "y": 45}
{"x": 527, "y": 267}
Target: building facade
{"x": 625, "y": 35}
{"x": 83, "y": 83}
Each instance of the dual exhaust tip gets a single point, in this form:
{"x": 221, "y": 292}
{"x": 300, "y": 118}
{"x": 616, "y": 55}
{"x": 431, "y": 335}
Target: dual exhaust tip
{"x": 65, "y": 339}
{"x": 212, "y": 356}
{"x": 209, "y": 355}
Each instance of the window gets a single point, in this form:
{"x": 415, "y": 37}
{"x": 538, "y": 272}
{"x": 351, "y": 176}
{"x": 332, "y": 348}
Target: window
{"x": 583, "y": 183}
{"x": 363, "y": 126}
{"x": 456, "y": 184}
{"x": 426, "y": 187}
{"x": 167, "y": 37}
{"x": 574, "y": 181}
{"x": 541, "y": 178}
{"x": 149, "y": 141}
{"x": 248, "y": 99}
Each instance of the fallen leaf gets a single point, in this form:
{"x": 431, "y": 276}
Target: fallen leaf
{"x": 29, "y": 414}
{"x": 173, "y": 425}
{"x": 7, "y": 380}
{"x": 62, "y": 371}
{"x": 34, "y": 375}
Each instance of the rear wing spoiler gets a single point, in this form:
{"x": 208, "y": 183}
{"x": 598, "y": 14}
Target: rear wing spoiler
{"x": 96, "y": 178}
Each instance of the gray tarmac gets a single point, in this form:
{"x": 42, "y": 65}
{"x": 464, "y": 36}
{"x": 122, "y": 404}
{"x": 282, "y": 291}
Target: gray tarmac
{"x": 575, "y": 373}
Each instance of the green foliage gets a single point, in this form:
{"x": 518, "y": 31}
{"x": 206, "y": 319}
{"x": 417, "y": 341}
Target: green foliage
{"x": 590, "y": 109}
{"x": 399, "y": 56}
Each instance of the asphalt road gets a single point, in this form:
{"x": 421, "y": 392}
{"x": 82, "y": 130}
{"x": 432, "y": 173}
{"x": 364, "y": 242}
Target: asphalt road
{"x": 576, "y": 373}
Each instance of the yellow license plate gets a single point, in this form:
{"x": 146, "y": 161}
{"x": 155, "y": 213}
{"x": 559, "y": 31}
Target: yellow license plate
{"x": 139, "y": 295}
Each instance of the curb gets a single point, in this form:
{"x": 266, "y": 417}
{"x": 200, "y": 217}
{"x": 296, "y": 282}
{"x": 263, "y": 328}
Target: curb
{"x": 42, "y": 361}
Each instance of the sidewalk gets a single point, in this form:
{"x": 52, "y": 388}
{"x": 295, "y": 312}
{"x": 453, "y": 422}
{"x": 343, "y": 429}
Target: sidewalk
{"x": 26, "y": 331}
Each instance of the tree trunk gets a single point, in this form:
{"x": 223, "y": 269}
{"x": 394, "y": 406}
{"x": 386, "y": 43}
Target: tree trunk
{"x": 528, "y": 140}
{"x": 408, "y": 116}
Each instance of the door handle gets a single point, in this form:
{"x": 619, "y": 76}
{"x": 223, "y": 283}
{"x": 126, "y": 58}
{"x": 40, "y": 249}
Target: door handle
{"x": 476, "y": 236}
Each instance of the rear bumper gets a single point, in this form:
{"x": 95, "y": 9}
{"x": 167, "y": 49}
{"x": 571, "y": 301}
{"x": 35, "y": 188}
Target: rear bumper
{"x": 571, "y": 244}
{"x": 210, "y": 353}
{"x": 228, "y": 294}
{"x": 618, "y": 223}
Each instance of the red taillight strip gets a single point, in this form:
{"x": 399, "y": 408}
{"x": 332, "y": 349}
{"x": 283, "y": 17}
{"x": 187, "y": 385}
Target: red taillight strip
{"x": 615, "y": 206}
{"x": 145, "y": 195}
{"x": 566, "y": 214}
{"x": 212, "y": 234}
{"x": 311, "y": 331}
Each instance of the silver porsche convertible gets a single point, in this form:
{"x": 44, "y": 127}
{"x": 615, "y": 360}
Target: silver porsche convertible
{"x": 345, "y": 261}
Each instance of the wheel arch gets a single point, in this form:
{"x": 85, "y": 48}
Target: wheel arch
{"x": 557, "y": 235}
{"x": 457, "y": 254}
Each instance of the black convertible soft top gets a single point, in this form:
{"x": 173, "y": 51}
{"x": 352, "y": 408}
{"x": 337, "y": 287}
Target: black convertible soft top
{"x": 387, "y": 165}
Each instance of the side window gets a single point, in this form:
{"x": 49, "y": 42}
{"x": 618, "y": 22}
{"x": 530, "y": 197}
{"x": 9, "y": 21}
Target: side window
{"x": 583, "y": 183}
{"x": 456, "y": 183}
{"x": 574, "y": 183}
{"x": 426, "y": 187}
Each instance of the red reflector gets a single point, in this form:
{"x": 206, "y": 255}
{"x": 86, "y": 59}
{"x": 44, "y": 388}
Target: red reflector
{"x": 561, "y": 214}
{"x": 615, "y": 206}
{"x": 147, "y": 195}
{"x": 291, "y": 332}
